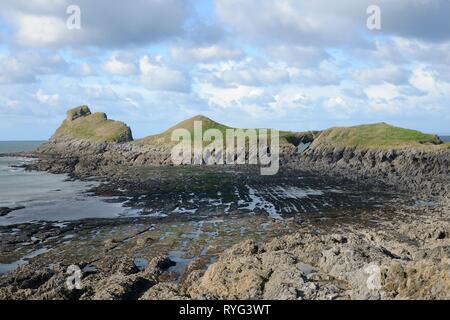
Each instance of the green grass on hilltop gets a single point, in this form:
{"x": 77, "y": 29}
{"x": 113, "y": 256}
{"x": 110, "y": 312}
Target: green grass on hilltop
{"x": 375, "y": 135}
{"x": 81, "y": 124}
{"x": 95, "y": 127}
{"x": 165, "y": 137}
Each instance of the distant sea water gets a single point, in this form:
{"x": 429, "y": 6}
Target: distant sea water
{"x": 445, "y": 138}
{"x": 18, "y": 146}
{"x": 45, "y": 196}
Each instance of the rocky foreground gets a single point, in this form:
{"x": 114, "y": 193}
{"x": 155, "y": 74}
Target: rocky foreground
{"x": 405, "y": 257}
{"x": 391, "y": 252}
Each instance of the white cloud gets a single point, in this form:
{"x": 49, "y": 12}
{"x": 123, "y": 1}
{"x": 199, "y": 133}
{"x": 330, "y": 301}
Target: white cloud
{"x": 103, "y": 22}
{"x": 386, "y": 73}
{"x": 12, "y": 104}
{"x": 323, "y": 22}
{"x": 14, "y": 71}
{"x": 248, "y": 72}
{"x": 423, "y": 80}
{"x": 39, "y": 30}
{"x": 228, "y": 97}
{"x": 386, "y": 91}
{"x": 27, "y": 66}
{"x": 49, "y": 99}
{"x": 116, "y": 67}
{"x": 155, "y": 75}
{"x": 285, "y": 21}
{"x": 339, "y": 107}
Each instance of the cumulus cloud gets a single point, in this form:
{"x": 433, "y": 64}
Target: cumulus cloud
{"x": 115, "y": 66}
{"x": 386, "y": 91}
{"x": 27, "y": 66}
{"x": 103, "y": 22}
{"x": 44, "y": 98}
{"x": 158, "y": 76}
{"x": 249, "y": 72}
{"x": 14, "y": 71}
{"x": 285, "y": 21}
{"x": 228, "y": 97}
{"x": 386, "y": 73}
{"x": 321, "y": 22}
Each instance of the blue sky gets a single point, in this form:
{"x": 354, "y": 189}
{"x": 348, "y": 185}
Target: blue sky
{"x": 292, "y": 65}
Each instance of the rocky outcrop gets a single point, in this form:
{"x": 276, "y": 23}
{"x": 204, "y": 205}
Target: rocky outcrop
{"x": 79, "y": 112}
{"x": 82, "y": 125}
{"x": 426, "y": 171}
{"x": 403, "y": 259}
{"x": 122, "y": 282}
{"x": 403, "y": 158}
{"x": 5, "y": 210}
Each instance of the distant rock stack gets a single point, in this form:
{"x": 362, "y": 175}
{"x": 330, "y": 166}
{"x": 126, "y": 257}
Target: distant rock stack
{"x": 85, "y": 133}
{"x": 78, "y": 113}
{"x": 81, "y": 124}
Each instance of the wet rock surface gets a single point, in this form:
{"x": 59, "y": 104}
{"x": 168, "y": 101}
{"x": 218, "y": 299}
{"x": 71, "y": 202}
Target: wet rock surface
{"x": 401, "y": 254}
{"x": 391, "y": 260}
{"x": 5, "y": 211}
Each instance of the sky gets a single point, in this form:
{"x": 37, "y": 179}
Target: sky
{"x": 286, "y": 64}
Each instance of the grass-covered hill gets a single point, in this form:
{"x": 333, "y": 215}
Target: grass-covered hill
{"x": 81, "y": 124}
{"x": 166, "y": 136}
{"x": 207, "y": 123}
{"x": 378, "y": 135}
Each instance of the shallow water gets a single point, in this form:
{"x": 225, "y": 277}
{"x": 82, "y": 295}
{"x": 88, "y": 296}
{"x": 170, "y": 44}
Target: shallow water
{"x": 8, "y": 267}
{"x": 49, "y": 197}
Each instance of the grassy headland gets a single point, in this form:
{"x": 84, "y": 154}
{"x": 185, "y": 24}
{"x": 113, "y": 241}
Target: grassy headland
{"x": 379, "y": 135}
{"x": 81, "y": 124}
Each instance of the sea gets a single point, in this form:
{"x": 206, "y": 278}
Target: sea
{"x": 445, "y": 138}
{"x": 45, "y": 196}
{"x": 18, "y": 146}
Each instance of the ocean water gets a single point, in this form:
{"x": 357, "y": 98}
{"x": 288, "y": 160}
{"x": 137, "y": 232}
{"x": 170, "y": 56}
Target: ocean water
{"x": 445, "y": 138}
{"x": 18, "y": 146}
{"x": 49, "y": 197}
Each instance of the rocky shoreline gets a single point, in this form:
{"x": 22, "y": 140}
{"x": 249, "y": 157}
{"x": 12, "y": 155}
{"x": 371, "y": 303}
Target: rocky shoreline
{"x": 408, "y": 250}
{"x": 395, "y": 245}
